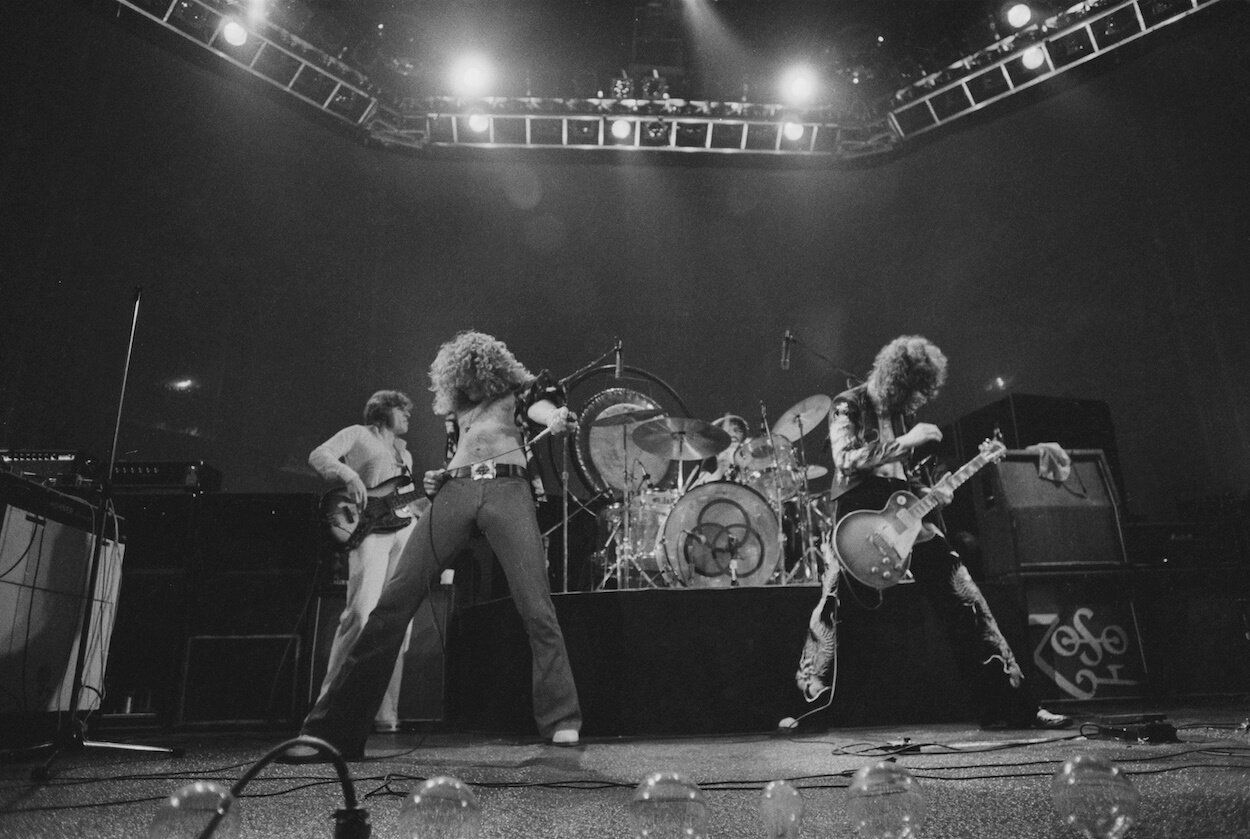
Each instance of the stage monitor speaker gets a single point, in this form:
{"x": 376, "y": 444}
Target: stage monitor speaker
{"x": 239, "y": 679}
{"x": 1025, "y": 419}
{"x": 1076, "y": 635}
{"x": 422, "y": 696}
{"x": 1028, "y": 523}
{"x": 46, "y": 548}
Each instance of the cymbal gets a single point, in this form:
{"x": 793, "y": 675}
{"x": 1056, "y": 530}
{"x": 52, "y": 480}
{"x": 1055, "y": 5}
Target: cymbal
{"x": 803, "y": 418}
{"x": 626, "y": 417}
{"x": 681, "y": 438}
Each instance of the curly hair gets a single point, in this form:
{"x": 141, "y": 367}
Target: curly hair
{"x": 469, "y": 359}
{"x": 907, "y": 372}
{"x": 378, "y": 408}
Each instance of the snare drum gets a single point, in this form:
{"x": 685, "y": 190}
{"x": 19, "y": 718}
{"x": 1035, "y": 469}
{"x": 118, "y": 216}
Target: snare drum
{"x": 719, "y": 535}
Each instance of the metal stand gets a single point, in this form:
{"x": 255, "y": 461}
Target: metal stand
{"x": 71, "y": 737}
{"x": 809, "y": 564}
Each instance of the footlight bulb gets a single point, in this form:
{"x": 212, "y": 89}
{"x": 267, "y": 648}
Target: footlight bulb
{"x": 1094, "y": 797}
{"x": 781, "y": 809}
{"x": 441, "y": 808}
{"x": 188, "y": 811}
{"x": 884, "y": 801}
{"x": 668, "y": 805}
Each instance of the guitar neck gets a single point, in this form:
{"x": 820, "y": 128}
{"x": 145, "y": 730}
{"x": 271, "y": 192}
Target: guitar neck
{"x": 953, "y": 481}
{"x": 399, "y": 499}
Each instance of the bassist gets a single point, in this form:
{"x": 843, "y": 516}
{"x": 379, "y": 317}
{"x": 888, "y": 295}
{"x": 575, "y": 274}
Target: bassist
{"x": 359, "y": 457}
{"x": 872, "y": 446}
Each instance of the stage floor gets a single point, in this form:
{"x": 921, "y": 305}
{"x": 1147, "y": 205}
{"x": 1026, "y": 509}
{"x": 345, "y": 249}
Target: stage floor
{"x": 976, "y": 783}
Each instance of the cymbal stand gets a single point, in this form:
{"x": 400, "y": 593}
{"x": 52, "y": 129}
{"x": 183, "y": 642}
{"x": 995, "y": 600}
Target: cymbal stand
{"x": 623, "y": 531}
{"x": 809, "y": 563}
{"x": 775, "y": 490}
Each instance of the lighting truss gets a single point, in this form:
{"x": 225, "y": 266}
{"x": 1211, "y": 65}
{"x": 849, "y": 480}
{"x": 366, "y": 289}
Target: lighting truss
{"x": 1067, "y": 40}
{"x": 672, "y": 125}
{"x": 270, "y": 53}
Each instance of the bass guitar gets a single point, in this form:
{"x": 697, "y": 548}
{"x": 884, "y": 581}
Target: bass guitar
{"x": 874, "y": 546}
{"x": 386, "y": 510}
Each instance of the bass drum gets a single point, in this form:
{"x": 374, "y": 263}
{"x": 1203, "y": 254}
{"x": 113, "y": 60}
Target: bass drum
{"x": 720, "y": 533}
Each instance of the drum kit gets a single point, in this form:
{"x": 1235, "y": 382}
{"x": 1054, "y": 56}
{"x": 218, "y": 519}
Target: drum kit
{"x": 675, "y": 521}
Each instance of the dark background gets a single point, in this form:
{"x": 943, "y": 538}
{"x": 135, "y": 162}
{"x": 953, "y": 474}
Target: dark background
{"x": 1091, "y": 243}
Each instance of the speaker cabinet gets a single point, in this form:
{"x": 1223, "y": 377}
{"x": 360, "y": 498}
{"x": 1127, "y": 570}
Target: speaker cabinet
{"x": 1027, "y": 523}
{"x": 1077, "y": 635}
{"x": 239, "y": 679}
{"x": 1025, "y": 419}
{"x": 46, "y": 551}
{"x": 422, "y": 696}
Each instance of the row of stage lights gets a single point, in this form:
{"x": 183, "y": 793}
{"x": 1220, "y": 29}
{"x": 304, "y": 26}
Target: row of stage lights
{"x": 883, "y": 801}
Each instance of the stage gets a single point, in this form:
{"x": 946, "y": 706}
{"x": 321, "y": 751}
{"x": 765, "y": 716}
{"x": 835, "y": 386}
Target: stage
{"x": 977, "y": 784}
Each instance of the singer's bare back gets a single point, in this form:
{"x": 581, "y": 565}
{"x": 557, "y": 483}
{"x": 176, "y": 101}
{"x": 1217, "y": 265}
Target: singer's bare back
{"x": 488, "y": 430}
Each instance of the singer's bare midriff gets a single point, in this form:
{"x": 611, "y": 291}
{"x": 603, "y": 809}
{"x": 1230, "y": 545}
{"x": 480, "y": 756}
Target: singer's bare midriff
{"x": 488, "y": 431}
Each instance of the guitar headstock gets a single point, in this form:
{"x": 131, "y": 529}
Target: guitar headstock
{"x": 993, "y": 450}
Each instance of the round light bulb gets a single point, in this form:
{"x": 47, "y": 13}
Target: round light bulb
{"x": 234, "y": 33}
{"x": 668, "y": 805}
{"x": 1033, "y": 58}
{"x": 884, "y": 801}
{"x": 1093, "y": 797}
{"x": 1019, "y": 15}
{"x": 441, "y": 808}
{"x": 781, "y": 809}
{"x": 188, "y": 811}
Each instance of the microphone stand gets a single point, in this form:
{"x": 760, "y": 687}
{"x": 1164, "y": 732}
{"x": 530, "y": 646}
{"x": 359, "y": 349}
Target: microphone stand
{"x": 794, "y": 339}
{"x": 71, "y": 737}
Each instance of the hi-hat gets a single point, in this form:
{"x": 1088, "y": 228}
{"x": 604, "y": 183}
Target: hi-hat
{"x": 803, "y": 418}
{"x": 681, "y": 438}
{"x": 626, "y": 417}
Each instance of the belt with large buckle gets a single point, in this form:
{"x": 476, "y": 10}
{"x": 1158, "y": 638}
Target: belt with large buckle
{"x": 488, "y": 469}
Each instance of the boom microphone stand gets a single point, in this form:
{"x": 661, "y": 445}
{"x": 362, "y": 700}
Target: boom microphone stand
{"x": 71, "y": 736}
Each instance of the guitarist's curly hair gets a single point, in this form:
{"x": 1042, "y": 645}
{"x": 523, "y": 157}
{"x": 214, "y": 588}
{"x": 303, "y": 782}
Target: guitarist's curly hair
{"x": 907, "y": 372}
{"x": 473, "y": 358}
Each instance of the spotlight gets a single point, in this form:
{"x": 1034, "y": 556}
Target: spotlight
{"x": 1033, "y": 58}
{"x": 622, "y": 128}
{"x": 234, "y": 33}
{"x": 479, "y": 122}
{"x": 798, "y": 85}
{"x": 1019, "y": 15}
{"x": 793, "y": 131}
{"x": 471, "y": 75}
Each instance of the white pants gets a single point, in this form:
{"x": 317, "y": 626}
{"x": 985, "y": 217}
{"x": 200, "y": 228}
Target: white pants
{"x": 369, "y": 566}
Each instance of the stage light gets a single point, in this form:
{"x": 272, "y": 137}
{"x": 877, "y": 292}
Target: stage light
{"x": 798, "y": 85}
{"x": 479, "y": 122}
{"x": 884, "y": 800}
{"x": 793, "y": 131}
{"x": 441, "y": 808}
{"x": 471, "y": 75}
{"x": 188, "y": 811}
{"x": 1033, "y": 58}
{"x": 234, "y": 33}
{"x": 1092, "y": 796}
{"x": 668, "y": 804}
{"x": 1019, "y": 15}
{"x": 622, "y": 129}
{"x": 781, "y": 810}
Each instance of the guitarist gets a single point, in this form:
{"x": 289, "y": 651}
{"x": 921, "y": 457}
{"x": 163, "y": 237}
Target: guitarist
{"x": 873, "y": 440}
{"x": 360, "y": 457}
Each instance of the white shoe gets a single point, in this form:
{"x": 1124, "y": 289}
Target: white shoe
{"x": 565, "y": 737}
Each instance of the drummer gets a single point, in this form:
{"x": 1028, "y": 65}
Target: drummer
{"x": 722, "y": 467}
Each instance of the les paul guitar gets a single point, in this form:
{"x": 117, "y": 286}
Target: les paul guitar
{"x": 875, "y": 545}
{"x": 385, "y": 510}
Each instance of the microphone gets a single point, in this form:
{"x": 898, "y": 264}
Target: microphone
{"x": 785, "y": 350}
{"x": 619, "y": 366}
